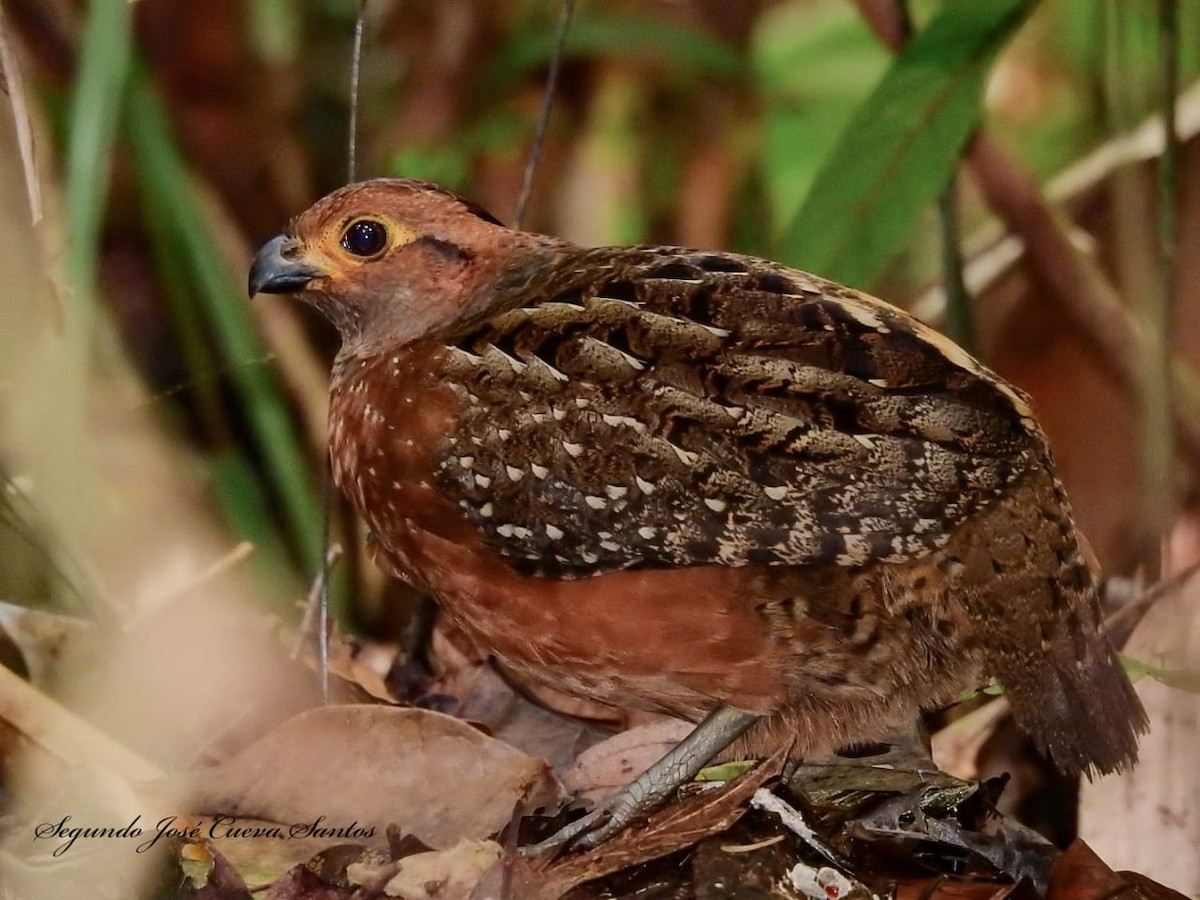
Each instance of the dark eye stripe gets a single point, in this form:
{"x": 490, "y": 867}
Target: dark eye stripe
{"x": 364, "y": 237}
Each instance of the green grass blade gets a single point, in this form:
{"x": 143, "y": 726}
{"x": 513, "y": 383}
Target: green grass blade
{"x": 167, "y": 183}
{"x": 900, "y": 148}
{"x": 246, "y": 507}
{"x": 678, "y": 47}
{"x": 104, "y": 62}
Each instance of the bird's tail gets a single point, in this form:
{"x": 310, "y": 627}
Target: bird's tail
{"x": 1063, "y": 679}
{"x": 1077, "y": 705}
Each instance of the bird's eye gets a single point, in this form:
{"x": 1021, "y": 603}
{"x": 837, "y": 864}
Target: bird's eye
{"x": 364, "y": 237}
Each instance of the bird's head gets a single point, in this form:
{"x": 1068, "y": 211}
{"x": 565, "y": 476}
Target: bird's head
{"x": 390, "y": 261}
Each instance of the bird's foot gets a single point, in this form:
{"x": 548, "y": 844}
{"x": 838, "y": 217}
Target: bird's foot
{"x": 653, "y": 786}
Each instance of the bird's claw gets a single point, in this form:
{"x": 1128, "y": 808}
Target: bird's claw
{"x": 576, "y": 833}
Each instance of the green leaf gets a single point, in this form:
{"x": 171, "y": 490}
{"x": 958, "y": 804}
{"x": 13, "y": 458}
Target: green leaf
{"x": 590, "y": 35}
{"x": 902, "y": 144}
{"x": 725, "y": 771}
{"x": 992, "y": 689}
{"x": 814, "y": 65}
{"x": 169, "y": 189}
{"x": 1184, "y": 679}
{"x": 104, "y": 63}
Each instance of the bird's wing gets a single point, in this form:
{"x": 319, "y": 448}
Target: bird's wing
{"x": 699, "y": 409}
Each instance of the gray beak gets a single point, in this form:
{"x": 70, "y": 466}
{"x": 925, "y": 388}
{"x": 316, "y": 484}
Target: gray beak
{"x": 273, "y": 273}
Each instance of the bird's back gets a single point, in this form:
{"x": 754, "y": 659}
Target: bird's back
{"x": 878, "y": 495}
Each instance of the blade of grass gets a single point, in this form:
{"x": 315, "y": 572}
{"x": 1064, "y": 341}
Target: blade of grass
{"x": 901, "y": 146}
{"x": 673, "y": 45}
{"x": 166, "y": 181}
{"x": 104, "y": 65}
{"x": 814, "y": 66}
{"x": 247, "y": 510}
{"x": 186, "y": 318}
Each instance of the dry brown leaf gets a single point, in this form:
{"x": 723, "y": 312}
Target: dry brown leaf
{"x": 263, "y": 851}
{"x": 1079, "y": 874}
{"x": 444, "y": 874}
{"x": 955, "y": 749}
{"x": 669, "y": 829}
{"x": 948, "y": 889}
{"x": 431, "y": 775}
{"x": 301, "y": 884}
{"x": 222, "y": 881}
{"x": 488, "y": 700}
{"x": 612, "y": 764}
{"x": 459, "y": 662}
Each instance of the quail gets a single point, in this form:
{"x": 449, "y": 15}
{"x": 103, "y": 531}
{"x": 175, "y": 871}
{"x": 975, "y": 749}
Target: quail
{"x": 699, "y": 483}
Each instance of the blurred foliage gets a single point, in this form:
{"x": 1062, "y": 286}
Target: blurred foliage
{"x": 902, "y": 145}
{"x": 779, "y": 128}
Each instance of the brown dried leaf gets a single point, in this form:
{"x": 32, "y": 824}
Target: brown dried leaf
{"x": 429, "y": 774}
{"x": 444, "y": 874}
{"x": 955, "y": 889}
{"x": 508, "y": 716}
{"x": 460, "y": 669}
{"x": 223, "y": 881}
{"x": 299, "y": 883}
{"x": 612, "y": 764}
{"x": 1079, "y": 874}
{"x": 671, "y": 828}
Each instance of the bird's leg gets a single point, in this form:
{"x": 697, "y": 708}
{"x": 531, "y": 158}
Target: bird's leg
{"x": 721, "y": 727}
{"x": 410, "y": 676}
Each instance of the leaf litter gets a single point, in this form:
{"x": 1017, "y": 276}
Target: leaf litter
{"x": 376, "y": 800}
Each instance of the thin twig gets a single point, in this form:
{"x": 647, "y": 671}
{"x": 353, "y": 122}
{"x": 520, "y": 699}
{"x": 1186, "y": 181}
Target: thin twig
{"x": 53, "y": 553}
{"x": 209, "y": 573}
{"x": 355, "y": 73}
{"x": 328, "y": 557}
{"x": 543, "y": 122}
{"x": 1138, "y": 608}
{"x": 1168, "y": 170}
{"x": 15, "y": 88}
{"x": 316, "y": 607}
{"x": 318, "y": 597}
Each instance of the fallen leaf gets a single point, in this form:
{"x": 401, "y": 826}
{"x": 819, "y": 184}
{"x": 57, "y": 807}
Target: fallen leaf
{"x": 669, "y": 829}
{"x": 299, "y": 883}
{"x": 350, "y": 771}
{"x": 1079, "y": 874}
{"x": 221, "y": 882}
{"x": 610, "y": 765}
{"x": 444, "y": 874}
{"x": 486, "y": 698}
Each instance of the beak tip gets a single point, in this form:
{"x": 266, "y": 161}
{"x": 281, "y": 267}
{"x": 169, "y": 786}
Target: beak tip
{"x": 273, "y": 273}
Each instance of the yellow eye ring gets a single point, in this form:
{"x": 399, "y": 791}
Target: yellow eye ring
{"x": 365, "y": 238}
